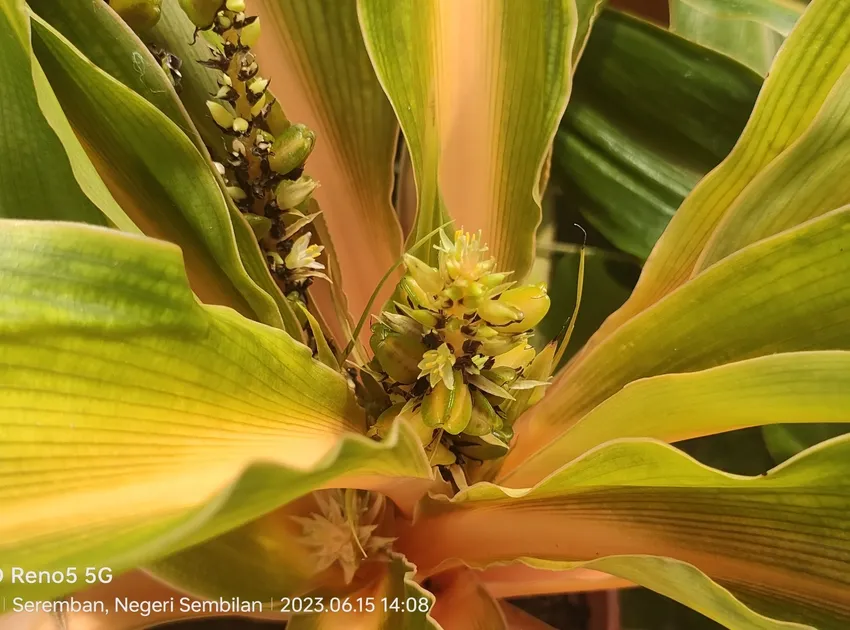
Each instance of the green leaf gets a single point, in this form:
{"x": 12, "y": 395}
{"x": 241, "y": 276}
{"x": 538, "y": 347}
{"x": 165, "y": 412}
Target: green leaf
{"x": 478, "y": 88}
{"x": 106, "y": 41}
{"x": 785, "y": 294}
{"x": 315, "y": 57}
{"x": 37, "y": 178}
{"x": 779, "y": 15}
{"x": 166, "y": 184}
{"x": 748, "y": 30}
{"x": 810, "y": 63}
{"x": 809, "y": 387}
{"x": 643, "y": 511}
{"x": 803, "y": 182}
{"x": 786, "y": 440}
{"x": 629, "y": 168}
{"x": 135, "y": 422}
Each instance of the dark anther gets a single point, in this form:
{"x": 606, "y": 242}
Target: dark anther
{"x": 218, "y": 62}
{"x": 470, "y": 346}
{"x": 467, "y": 330}
{"x": 295, "y": 173}
{"x": 489, "y": 363}
{"x": 432, "y": 341}
{"x": 419, "y": 387}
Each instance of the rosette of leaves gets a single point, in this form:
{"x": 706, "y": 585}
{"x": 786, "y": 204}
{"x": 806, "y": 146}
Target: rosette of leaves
{"x": 166, "y": 410}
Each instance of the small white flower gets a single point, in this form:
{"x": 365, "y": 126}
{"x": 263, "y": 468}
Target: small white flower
{"x": 303, "y": 255}
{"x": 437, "y": 365}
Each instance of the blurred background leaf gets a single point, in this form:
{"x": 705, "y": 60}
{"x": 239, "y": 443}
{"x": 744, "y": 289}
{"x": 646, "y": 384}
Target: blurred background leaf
{"x": 750, "y": 31}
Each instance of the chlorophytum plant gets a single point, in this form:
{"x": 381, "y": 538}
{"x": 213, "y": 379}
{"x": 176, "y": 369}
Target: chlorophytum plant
{"x": 255, "y": 348}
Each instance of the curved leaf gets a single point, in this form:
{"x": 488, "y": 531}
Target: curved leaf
{"x": 777, "y": 542}
{"x": 813, "y": 58}
{"x": 809, "y": 387}
{"x": 478, "y": 88}
{"x": 106, "y": 41}
{"x": 37, "y": 179}
{"x": 314, "y": 55}
{"x": 787, "y": 293}
{"x": 166, "y": 185}
{"x": 779, "y": 15}
{"x": 521, "y": 580}
{"x": 786, "y": 440}
{"x": 135, "y": 422}
{"x": 629, "y": 168}
{"x": 807, "y": 180}
{"x": 732, "y": 31}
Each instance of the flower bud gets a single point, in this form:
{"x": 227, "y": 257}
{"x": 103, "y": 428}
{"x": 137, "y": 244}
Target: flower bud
{"x": 221, "y": 116}
{"x": 250, "y": 33}
{"x": 201, "y": 12}
{"x": 427, "y": 277}
{"x": 418, "y": 296}
{"x": 291, "y": 149}
{"x": 516, "y": 358}
{"x": 499, "y": 345}
{"x": 531, "y": 300}
{"x": 240, "y": 125}
{"x": 140, "y": 15}
{"x": 449, "y": 409}
{"x": 426, "y": 318}
{"x": 236, "y": 193}
{"x": 484, "y": 418}
{"x": 399, "y": 355}
{"x": 259, "y": 224}
{"x": 499, "y": 313}
{"x": 291, "y": 193}
{"x": 237, "y": 6}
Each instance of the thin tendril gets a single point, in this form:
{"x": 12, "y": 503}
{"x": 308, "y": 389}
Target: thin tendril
{"x": 562, "y": 347}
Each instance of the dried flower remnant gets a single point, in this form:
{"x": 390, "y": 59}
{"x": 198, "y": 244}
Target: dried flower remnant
{"x": 342, "y": 531}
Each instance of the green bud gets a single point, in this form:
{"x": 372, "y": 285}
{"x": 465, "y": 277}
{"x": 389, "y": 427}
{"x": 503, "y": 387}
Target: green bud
{"x": 492, "y": 280}
{"x": 258, "y": 86}
{"x": 484, "y": 418}
{"x": 484, "y": 447}
{"x": 385, "y": 420}
{"x": 201, "y": 12}
{"x": 401, "y": 324}
{"x": 427, "y": 277}
{"x": 416, "y": 293}
{"x": 399, "y": 355}
{"x": 425, "y": 318}
{"x": 499, "y": 345}
{"x": 531, "y": 300}
{"x": 498, "y": 313}
{"x": 517, "y": 358}
{"x": 540, "y": 370}
{"x": 291, "y": 193}
{"x": 236, "y": 193}
{"x": 450, "y": 409}
{"x": 237, "y": 6}
{"x": 250, "y": 34}
{"x": 291, "y": 149}
{"x": 140, "y": 15}
{"x": 259, "y": 224}
{"x": 240, "y": 125}
{"x": 221, "y": 116}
